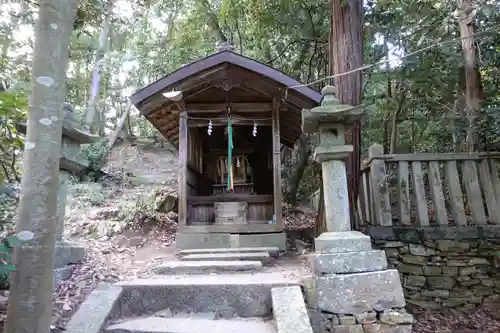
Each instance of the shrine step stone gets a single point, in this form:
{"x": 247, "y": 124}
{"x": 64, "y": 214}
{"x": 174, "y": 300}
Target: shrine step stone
{"x": 263, "y": 257}
{"x": 192, "y": 325}
{"x": 273, "y": 251}
{"x": 238, "y": 294}
{"x": 206, "y": 267}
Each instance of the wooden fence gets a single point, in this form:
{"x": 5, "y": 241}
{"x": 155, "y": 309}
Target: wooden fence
{"x": 418, "y": 190}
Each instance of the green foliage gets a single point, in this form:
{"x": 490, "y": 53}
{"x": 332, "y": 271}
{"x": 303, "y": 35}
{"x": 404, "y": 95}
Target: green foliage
{"x": 94, "y": 153}
{"x": 7, "y": 245}
{"x": 153, "y": 38}
{"x": 8, "y": 208}
{"x": 12, "y": 111}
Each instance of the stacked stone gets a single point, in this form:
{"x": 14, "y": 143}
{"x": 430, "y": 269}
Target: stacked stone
{"x": 444, "y": 273}
{"x": 368, "y": 322}
{"x": 352, "y": 290}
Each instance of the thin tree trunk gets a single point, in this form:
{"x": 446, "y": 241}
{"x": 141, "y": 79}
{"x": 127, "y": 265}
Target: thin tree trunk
{"x": 472, "y": 77}
{"x": 91, "y": 117}
{"x": 301, "y": 162}
{"x": 118, "y": 129}
{"x": 394, "y": 120}
{"x": 30, "y": 298}
{"x": 346, "y": 54}
{"x": 112, "y": 140}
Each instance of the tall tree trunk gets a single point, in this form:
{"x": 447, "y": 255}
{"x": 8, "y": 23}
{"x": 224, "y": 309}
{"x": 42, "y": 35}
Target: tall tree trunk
{"x": 473, "y": 88}
{"x": 91, "y": 117}
{"x": 30, "y": 300}
{"x": 346, "y": 54}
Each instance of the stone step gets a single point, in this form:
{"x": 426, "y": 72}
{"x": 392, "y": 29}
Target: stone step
{"x": 206, "y": 267}
{"x": 192, "y": 325}
{"x": 273, "y": 251}
{"x": 238, "y": 294}
{"x": 263, "y": 257}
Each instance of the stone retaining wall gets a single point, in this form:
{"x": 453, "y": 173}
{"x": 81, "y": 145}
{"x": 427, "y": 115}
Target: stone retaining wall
{"x": 388, "y": 321}
{"x": 443, "y": 266}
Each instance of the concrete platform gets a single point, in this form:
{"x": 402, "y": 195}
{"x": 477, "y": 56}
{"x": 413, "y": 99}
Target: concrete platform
{"x": 263, "y": 257}
{"x": 192, "y": 325}
{"x": 243, "y": 295}
{"x": 273, "y": 251}
{"x": 206, "y": 267}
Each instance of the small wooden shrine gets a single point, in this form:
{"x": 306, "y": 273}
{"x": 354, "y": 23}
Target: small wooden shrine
{"x": 229, "y": 116}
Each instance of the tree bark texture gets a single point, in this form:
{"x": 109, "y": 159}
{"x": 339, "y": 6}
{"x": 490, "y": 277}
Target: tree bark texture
{"x": 346, "y": 54}
{"x": 473, "y": 86}
{"x": 30, "y": 298}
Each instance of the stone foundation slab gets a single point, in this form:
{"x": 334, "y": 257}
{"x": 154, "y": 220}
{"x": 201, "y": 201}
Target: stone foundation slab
{"x": 347, "y": 241}
{"x": 360, "y": 292}
{"x": 348, "y": 262}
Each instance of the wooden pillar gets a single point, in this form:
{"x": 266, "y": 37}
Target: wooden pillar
{"x": 277, "y": 161}
{"x": 182, "y": 185}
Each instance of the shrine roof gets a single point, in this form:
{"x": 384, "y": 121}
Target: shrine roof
{"x": 210, "y": 84}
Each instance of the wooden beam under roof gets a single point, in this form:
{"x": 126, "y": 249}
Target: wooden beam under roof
{"x": 223, "y": 122}
{"x": 235, "y": 107}
{"x": 191, "y": 85}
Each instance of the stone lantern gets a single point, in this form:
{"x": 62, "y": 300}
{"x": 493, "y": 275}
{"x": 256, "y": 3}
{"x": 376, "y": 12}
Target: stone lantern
{"x": 349, "y": 276}
{"x": 330, "y": 120}
{"x": 70, "y": 163}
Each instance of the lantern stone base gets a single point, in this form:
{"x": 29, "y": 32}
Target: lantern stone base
{"x": 352, "y": 290}
{"x": 344, "y": 241}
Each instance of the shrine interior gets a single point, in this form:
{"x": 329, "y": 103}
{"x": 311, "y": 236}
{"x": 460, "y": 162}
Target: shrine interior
{"x": 250, "y": 172}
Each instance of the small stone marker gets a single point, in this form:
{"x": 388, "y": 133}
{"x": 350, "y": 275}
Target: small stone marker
{"x": 93, "y": 313}
{"x": 290, "y": 310}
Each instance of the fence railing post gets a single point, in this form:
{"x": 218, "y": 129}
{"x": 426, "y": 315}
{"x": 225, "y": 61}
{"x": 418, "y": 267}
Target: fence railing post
{"x": 379, "y": 187}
